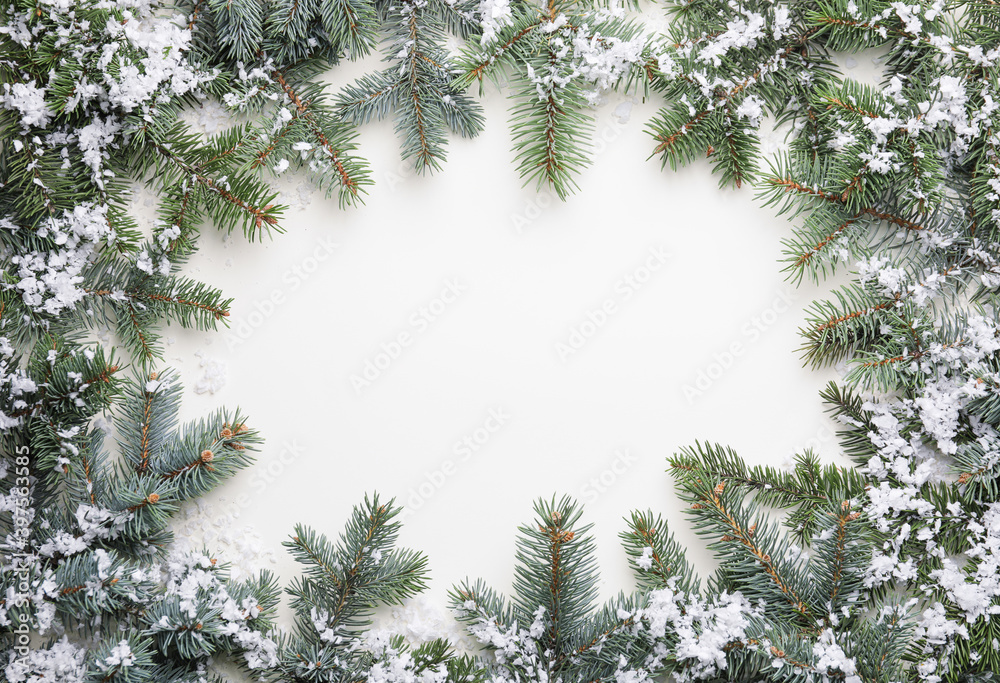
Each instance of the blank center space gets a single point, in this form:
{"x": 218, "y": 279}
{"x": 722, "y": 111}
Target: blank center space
{"x": 466, "y": 346}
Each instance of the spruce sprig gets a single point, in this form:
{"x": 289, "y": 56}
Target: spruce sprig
{"x": 551, "y": 628}
{"x": 561, "y": 56}
{"x": 336, "y": 596}
{"x": 419, "y": 85}
{"x": 85, "y": 543}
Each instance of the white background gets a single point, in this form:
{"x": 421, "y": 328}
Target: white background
{"x": 532, "y": 267}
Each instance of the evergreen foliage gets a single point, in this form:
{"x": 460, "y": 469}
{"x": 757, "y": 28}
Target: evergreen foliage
{"x": 897, "y": 184}
{"x": 88, "y": 562}
{"x": 96, "y": 102}
{"x": 549, "y": 630}
{"x": 336, "y": 597}
{"x": 420, "y": 85}
{"x": 887, "y": 571}
{"x": 561, "y": 56}
{"x": 80, "y": 125}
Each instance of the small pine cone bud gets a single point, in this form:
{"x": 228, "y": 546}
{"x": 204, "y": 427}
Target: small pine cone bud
{"x": 207, "y": 455}
{"x": 227, "y": 433}
{"x": 719, "y": 488}
{"x": 154, "y": 375}
{"x": 240, "y": 428}
{"x": 153, "y": 497}
{"x": 964, "y": 478}
{"x": 569, "y": 535}
{"x": 213, "y": 561}
{"x": 237, "y": 446}
{"x": 556, "y": 516}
